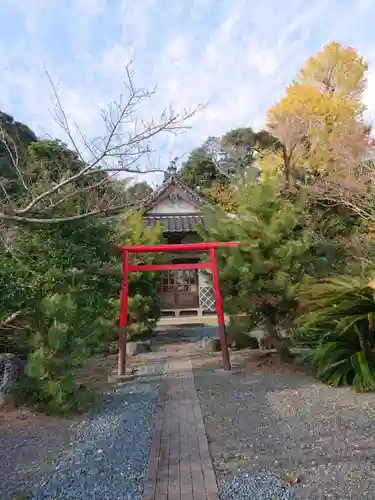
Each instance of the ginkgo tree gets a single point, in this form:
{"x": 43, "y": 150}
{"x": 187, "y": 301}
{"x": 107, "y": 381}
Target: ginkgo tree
{"x": 320, "y": 122}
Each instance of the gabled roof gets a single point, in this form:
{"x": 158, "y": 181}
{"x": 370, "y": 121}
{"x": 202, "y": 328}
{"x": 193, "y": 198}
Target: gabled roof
{"x": 173, "y": 181}
{"x": 172, "y": 223}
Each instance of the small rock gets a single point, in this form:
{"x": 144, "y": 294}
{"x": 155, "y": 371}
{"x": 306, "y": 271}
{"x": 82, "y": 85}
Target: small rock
{"x": 113, "y": 348}
{"x": 10, "y": 368}
{"x": 246, "y": 341}
{"x": 210, "y": 344}
{"x": 135, "y": 348}
{"x": 292, "y": 478}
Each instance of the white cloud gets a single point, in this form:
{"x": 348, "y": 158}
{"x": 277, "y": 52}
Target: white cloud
{"x": 237, "y": 56}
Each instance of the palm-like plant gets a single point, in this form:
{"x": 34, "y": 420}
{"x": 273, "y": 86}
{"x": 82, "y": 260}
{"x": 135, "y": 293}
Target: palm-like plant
{"x": 338, "y": 328}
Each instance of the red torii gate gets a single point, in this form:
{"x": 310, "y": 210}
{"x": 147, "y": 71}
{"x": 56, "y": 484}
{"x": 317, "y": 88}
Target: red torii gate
{"x": 182, "y": 247}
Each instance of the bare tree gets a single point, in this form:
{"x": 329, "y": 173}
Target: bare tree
{"x": 124, "y": 147}
{"x": 351, "y": 188}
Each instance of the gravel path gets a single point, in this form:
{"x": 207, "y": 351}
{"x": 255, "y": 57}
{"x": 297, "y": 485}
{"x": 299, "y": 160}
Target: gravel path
{"x": 254, "y": 486}
{"x": 261, "y": 419}
{"x": 104, "y": 457}
{"x": 110, "y": 455}
{"x": 29, "y": 447}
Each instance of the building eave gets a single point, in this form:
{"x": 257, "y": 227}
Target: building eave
{"x": 175, "y": 223}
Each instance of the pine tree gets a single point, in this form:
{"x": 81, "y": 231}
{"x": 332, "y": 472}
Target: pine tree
{"x": 261, "y": 276}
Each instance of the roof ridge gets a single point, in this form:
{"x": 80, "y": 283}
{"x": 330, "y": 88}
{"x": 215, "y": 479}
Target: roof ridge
{"x": 189, "y": 190}
{"x": 176, "y": 180}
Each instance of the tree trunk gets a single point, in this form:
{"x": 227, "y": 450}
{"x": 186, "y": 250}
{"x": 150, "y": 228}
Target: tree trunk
{"x": 286, "y": 170}
{"x": 280, "y": 344}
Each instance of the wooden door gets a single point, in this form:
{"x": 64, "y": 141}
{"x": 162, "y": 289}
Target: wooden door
{"x": 179, "y": 289}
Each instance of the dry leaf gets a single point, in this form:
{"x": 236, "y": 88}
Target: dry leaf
{"x": 292, "y": 479}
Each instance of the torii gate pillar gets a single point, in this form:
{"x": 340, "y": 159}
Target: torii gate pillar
{"x": 127, "y": 268}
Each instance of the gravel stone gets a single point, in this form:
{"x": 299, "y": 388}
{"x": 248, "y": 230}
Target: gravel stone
{"x": 286, "y": 422}
{"x": 254, "y": 486}
{"x": 109, "y": 458}
{"x": 135, "y": 348}
{"x": 28, "y": 449}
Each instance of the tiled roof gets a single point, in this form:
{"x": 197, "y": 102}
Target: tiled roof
{"x": 178, "y": 223}
{"x": 174, "y": 223}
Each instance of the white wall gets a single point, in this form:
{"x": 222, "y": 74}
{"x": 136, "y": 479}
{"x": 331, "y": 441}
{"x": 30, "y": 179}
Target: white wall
{"x": 173, "y": 207}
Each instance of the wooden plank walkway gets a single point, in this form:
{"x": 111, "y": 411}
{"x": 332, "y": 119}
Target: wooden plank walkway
{"x": 180, "y": 466}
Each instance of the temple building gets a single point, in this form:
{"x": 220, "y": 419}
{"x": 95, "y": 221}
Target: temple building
{"x": 183, "y": 293}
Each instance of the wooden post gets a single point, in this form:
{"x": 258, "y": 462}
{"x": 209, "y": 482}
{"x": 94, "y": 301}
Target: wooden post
{"x": 220, "y": 312}
{"x": 124, "y": 299}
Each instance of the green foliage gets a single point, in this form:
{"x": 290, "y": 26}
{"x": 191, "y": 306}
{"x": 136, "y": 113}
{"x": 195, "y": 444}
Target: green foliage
{"x": 337, "y": 248}
{"x": 55, "y": 278}
{"x": 337, "y": 328}
{"x": 239, "y": 147}
{"x": 52, "y": 154}
{"x": 213, "y": 167}
{"x": 17, "y": 136}
{"x": 49, "y": 161}
{"x": 29, "y": 167}
{"x": 57, "y": 349}
{"x": 261, "y": 276}
{"x": 199, "y": 171}
{"x": 65, "y": 281}
{"x": 238, "y": 332}
{"x": 138, "y": 191}
{"x": 144, "y": 304}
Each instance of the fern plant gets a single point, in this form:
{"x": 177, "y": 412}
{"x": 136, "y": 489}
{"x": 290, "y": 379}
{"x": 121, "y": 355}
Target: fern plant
{"x": 338, "y": 329}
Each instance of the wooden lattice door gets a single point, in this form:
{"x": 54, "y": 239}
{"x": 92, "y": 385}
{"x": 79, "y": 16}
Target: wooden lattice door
{"x": 179, "y": 289}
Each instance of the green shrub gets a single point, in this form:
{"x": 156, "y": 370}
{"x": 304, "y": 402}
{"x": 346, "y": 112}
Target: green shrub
{"x": 65, "y": 282}
{"x": 60, "y": 345}
{"x": 144, "y": 303}
{"x": 337, "y": 330}
{"x": 238, "y": 333}
{"x": 260, "y": 277}
{"x": 54, "y": 278}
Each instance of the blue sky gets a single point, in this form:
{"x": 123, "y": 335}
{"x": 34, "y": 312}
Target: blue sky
{"x": 235, "y": 55}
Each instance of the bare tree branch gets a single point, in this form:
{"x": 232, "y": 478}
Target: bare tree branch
{"x": 124, "y": 147}
{"x": 349, "y": 188}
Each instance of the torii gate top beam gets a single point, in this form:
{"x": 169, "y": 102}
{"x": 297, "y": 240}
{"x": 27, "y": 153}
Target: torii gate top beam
{"x": 181, "y": 247}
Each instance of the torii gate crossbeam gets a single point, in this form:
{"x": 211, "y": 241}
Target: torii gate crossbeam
{"x": 182, "y": 247}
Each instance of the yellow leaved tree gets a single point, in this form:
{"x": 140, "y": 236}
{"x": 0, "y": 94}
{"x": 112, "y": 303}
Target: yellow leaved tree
{"x": 223, "y": 195}
{"x": 320, "y": 122}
